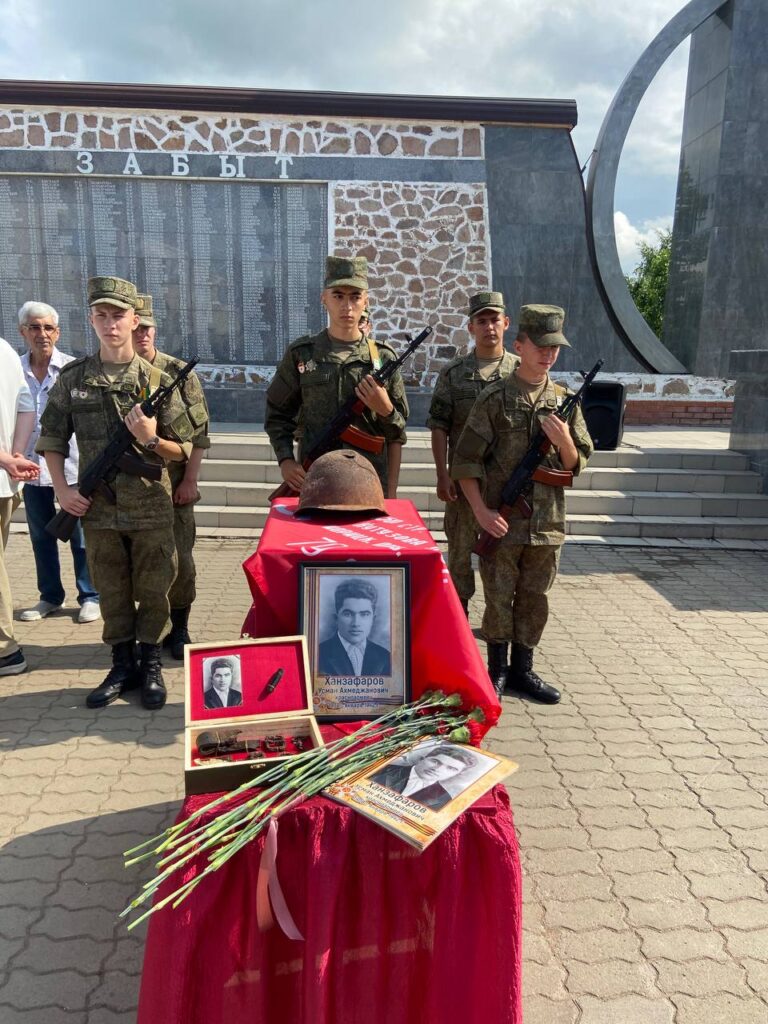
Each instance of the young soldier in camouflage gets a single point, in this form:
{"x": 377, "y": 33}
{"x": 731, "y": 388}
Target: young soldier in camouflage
{"x": 518, "y": 575}
{"x": 459, "y": 384}
{"x": 131, "y": 552}
{"x": 184, "y": 476}
{"x": 318, "y": 373}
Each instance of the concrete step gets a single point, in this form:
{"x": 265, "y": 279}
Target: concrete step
{"x": 667, "y": 503}
{"x": 255, "y": 447}
{"x": 680, "y": 527}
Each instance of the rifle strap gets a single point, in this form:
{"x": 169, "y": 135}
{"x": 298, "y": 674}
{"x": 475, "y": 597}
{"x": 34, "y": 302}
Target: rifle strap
{"x": 374, "y": 353}
{"x": 155, "y": 376}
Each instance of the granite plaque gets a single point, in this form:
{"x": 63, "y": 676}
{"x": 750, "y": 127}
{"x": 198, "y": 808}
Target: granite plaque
{"x": 235, "y": 268}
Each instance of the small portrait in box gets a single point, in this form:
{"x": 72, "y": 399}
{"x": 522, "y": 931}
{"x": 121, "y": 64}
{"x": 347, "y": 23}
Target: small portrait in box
{"x": 222, "y": 686}
{"x": 356, "y": 619}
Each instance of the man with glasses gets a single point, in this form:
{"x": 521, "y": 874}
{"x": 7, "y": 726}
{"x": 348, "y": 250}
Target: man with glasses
{"x": 42, "y": 363}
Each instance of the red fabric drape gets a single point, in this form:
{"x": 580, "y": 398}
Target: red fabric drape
{"x": 444, "y": 653}
{"x": 391, "y": 936}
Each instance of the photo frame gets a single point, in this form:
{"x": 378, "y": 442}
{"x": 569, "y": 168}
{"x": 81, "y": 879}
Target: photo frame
{"x": 356, "y": 619}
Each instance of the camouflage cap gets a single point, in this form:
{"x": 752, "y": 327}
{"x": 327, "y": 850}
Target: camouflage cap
{"x": 144, "y": 309}
{"x": 485, "y": 300}
{"x": 340, "y": 271}
{"x": 543, "y": 325}
{"x": 113, "y": 291}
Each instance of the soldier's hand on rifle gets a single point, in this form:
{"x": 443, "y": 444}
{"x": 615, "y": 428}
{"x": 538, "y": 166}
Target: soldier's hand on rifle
{"x": 446, "y": 488}
{"x": 143, "y": 428}
{"x": 293, "y": 473}
{"x": 72, "y": 501}
{"x": 559, "y": 434}
{"x": 490, "y": 521}
{"x": 374, "y": 396}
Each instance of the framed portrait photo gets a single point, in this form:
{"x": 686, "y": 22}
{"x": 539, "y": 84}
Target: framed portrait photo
{"x": 356, "y": 619}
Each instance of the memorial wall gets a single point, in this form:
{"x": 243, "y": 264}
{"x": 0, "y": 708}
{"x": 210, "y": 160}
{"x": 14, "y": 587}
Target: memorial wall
{"x": 225, "y": 215}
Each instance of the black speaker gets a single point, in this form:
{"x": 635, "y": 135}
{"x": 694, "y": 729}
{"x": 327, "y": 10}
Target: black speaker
{"x": 603, "y": 407}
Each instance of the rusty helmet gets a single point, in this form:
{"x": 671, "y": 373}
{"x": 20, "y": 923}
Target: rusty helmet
{"x": 342, "y": 481}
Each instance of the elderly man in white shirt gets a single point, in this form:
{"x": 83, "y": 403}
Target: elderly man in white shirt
{"x": 42, "y": 362}
{"x": 17, "y": 421}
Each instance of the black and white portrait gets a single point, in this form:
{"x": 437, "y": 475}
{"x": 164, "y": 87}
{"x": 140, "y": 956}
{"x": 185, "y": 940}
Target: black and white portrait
{"x": 434, "y": 772}
{"x": 222, "y": 687}
{"x": 355, "y": 612}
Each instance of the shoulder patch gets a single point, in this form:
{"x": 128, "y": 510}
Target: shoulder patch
{"x": 72, "y": 364}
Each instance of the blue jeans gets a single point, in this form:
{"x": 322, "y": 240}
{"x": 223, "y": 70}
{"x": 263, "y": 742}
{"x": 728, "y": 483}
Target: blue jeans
{"x": 41, "y": 508}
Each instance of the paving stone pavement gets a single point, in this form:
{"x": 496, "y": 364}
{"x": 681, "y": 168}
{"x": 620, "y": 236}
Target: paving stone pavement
{"x": 639, "y": 800}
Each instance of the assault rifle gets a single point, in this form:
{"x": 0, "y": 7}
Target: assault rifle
{"x": 340, "y": 428}
{"x": 116, "y": 458}
{"x": 529, "y": 470}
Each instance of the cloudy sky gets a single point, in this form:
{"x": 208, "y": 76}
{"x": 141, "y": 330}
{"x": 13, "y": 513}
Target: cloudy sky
{"x": 572, "y": 49}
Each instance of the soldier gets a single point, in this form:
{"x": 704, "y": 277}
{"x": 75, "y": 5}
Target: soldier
{"x": 184, "y": 476}
{"x": 518, "y": 575}
{"x": 459, "y": 384}
{"x": 130, "y": 546}
{"x": 318, "y": 373}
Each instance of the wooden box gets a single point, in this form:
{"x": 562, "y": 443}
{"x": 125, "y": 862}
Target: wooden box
{"x": 248, "y": 706}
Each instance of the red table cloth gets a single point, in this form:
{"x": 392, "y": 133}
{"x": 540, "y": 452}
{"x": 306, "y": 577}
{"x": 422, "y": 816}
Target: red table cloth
{"x": 391, "y": 936}
{"x": 444, "y": 652}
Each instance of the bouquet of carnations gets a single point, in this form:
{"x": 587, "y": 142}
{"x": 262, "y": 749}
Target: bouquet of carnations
{"x": 241, "y": 815}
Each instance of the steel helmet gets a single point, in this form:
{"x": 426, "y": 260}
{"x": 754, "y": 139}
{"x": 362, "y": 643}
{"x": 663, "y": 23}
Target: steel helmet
{"x": 342, "y": 481}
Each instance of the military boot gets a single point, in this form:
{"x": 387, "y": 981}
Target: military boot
{"x": 123, "y": 675}
{"x": 179, "y": 635}
{"x": 497, "y": 665}
{"x": 523, "y": 679}
{"x": 153, "y": 693}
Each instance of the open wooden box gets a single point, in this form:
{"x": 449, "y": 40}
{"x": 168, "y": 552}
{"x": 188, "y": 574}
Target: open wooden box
{"x": 248, "y": 706}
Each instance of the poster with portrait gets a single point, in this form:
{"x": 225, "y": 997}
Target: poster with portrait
{"x": 356, "y": 621}
{"x": 417, "y": 793}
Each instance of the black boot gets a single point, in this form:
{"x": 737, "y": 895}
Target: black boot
{"x": 153, "y": 692}
{"x": 497, "y": 665}
{"x": 179, "y": 634}
{"x": 522, "y": 678}
{"x": 465, "y": 606}
{"x": 123, "y": 675}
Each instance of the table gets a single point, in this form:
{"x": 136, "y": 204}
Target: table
{"x": 390, "y": 936}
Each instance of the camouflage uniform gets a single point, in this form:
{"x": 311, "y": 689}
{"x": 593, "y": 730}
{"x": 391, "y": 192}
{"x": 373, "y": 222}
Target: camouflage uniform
{"x": 312, "y": 380}
{"x": 522, "y": 569}
{"x": 183, "y": 591}
{"x": 130, "y": 544}
{"x": 455, "y": 392}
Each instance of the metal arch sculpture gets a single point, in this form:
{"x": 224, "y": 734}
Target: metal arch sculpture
{"x": 601, "y": 187}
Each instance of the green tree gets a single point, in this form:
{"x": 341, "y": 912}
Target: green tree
{"x": 648, "y": 281}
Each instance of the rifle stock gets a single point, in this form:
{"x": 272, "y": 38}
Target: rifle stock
{"x": 62, "y": 526}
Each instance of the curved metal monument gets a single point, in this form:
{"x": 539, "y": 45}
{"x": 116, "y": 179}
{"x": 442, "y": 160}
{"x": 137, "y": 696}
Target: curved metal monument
{"x": 601, "y": 186}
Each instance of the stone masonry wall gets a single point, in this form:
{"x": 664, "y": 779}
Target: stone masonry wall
{"x": 426, "y": 242}
{"x": 426, "y": 246}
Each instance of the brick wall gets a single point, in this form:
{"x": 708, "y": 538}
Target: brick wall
{"x": 680, "y": 413}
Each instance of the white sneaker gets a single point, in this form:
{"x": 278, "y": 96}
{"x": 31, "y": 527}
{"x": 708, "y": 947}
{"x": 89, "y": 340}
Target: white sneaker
{"x": 90, "y": 611}
{"x": 41, "y": 611}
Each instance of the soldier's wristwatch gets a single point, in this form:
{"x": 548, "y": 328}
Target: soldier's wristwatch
{"x": 152, "y": 443}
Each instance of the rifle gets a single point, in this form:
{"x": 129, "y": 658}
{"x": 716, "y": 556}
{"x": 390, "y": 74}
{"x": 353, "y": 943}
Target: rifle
{"x": 117, "y": 457}
{"x": 529, "y": 470}
{"x": 340, "y": 428}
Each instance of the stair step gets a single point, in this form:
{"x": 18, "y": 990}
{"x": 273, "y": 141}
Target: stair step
{"x": 713, "y": 527}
